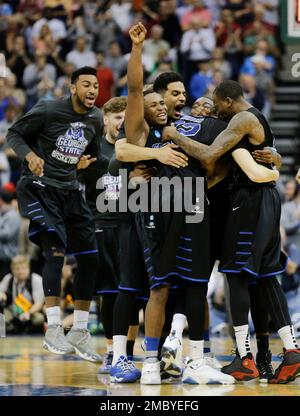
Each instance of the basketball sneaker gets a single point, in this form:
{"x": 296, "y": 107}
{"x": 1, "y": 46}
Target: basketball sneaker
{"x": 211, "y": 361}
{"x": 81, "y": 341}
{"x": 264, "y": 366}
{"x": 289, "y": 369}
{"x": 198, "y": 372}
{"x": 242, "y": 369}
{"x": 124, "y": 371}
{"x": 151, "y": 372}
{"x": 56, "y": 342}
{"x": 106, "y": 364}
{"x": 171, "y": 357}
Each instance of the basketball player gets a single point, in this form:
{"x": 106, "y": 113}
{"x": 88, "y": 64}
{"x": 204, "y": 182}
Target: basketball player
{"x": 107, "y": 280}
{"x": 252, "y": 239}
{"x": 161, "y": 249}
{"x": 51, "y": 139}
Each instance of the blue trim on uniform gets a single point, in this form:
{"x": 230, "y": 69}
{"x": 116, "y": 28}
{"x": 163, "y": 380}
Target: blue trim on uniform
{"x": 84, "y": 252}
{"x": 51, "y": 229}
{"x": 243, "y": 252}
{"x": 184, "y": 268}
{"x": 147, "y": 259}
{"x": 99, "y": 292}
{"x": 34, "y": 203}
{"x": 38, "y": 216}
{"x": 36, "y": 231}
{"x": 252, "y": 272}
{"x": 146, "y": 250}
{"x": 246, "y": 232}
{"x": 150, "y": 268}
{"x": 142, "y": 298}
{"x": 245, "y": 243}
{"x": 183, "y": 277}
{"x": 129, "y": 288}
{"x": 240, "y": 262}
{"x": 185, "y": 249}
{"x": 159, "y": 284}
{"x": 183, "y": 258}
{"x": 186, "y": 238}
{"x": 34, "y": 210}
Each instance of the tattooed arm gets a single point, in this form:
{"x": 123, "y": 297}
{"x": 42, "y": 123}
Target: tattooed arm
{"x": 240, "y": 125}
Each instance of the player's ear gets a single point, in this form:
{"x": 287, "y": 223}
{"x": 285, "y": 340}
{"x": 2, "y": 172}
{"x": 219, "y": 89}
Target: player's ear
{"x": 73, "y": 88}
{"x": 229, "y": 101}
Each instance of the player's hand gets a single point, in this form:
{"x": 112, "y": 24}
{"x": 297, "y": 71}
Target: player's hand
{"x": 264, "y": 156}
{"x": 169, "y": 132}
{"x": 169, "y": 156}
{"x": 138, "y": 33}
{"x": 85, "y": 161}
{"x": 297, "y": 177}
{"x": 35, "y": 164}
{"x": 141, "y": 174}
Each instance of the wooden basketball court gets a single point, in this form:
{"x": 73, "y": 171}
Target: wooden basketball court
{"x": 28, "y": 370}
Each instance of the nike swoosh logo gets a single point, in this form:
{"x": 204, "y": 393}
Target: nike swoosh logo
{"x": 234, "y": 209}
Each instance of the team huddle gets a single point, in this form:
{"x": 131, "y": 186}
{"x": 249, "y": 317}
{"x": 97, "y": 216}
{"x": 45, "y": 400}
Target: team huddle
{"x": 157, "y": 260}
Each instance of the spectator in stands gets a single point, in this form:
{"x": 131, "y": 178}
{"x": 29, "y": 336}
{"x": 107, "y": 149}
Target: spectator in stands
{"x": 104, "y": 28}
{"x": 116, "y": 61}
{"x": 197, "y": 44}
{"x": 220, "y": 64}
{"x": 22, "y": 294}
{"x": 290, "y": 278}
{"x": 155, "y": 46}
{"x": 242, "y": 10}
{"x": 121, "y": 12}
{"x": 252, "y": 94}
{"x": 261, "y": 60}
{"x": 30, "y": 9}
{"x": 228, "y": 38}
{"x": 5, "y": 98}
{"x": 57, "y": 27}
{"x": 17, "y": 95}
{"x": 9, "y": 231}
{"x": 34, "y": 73}
{"x": 271, "y": 13}
{"x": 64, "y": 81}
{"x": 80, "y": 55}
{"x": 163, "y": 66}
{"x": 18, "y": 59}
{"x": 290, "y": 218}
{"x": 201, "y": 80}
{"x": 4, "y": 168}
{"x": 105, "y": 78}
{"x": 169, "y": 21}
{"x": 290, "y": 190}
{"x": 10, "y": 115}
{"x": 198, "y": 12}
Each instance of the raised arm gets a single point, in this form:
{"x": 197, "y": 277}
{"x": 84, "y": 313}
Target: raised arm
{"x": 254, "y": 171}
{"x": 135, "y": 126}
{"x": 240, "y": 125}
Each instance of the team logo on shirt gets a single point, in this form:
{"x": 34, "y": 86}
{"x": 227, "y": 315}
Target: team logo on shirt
{"x": 71, "y": 145}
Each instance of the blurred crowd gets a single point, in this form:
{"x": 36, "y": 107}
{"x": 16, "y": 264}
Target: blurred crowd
{"x": 207, "y": 41}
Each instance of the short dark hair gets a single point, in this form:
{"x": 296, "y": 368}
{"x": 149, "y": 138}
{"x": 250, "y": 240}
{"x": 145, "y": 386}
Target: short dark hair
{"x": 6, "y": 196}
{"x": 85, "y": 70}
{"x": 163, "y": 80}
{"x": 229, "y": 88}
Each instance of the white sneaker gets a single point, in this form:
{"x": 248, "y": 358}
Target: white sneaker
{"x": 211, "y": 361}
{"x": 198, "y": 372}
{"x": 171, "y": 356}
{"x": 151, "y": 372}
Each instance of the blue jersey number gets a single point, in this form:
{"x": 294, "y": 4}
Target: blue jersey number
{"x": 187, "y": 128}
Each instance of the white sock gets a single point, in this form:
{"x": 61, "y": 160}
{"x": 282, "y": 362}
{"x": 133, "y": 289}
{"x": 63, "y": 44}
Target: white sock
{"x": 81, "y": 319}
{"x": 178, "y": 324}
{"x": 109, "y": 348}
{"x": 119, "y": 347}
{"x": 53, "y": 315}
{"x": 242, "y": 339}
{"x": 288, "y": 337}
{"x": 196, "y": 349}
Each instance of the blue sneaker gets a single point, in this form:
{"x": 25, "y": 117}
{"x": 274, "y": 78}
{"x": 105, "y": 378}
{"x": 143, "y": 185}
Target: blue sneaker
{"x": 107, "y": 363}
{"x": 124, "y": 371}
